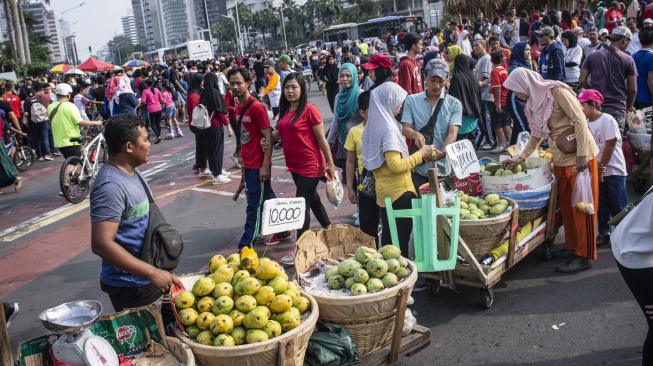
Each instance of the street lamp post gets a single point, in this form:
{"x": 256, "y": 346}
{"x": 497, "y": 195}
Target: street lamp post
{"x": 241, "y": 46}
{"x": 283, "y": 28}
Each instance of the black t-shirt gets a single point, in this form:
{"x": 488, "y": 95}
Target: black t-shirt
{"x": 523, "y": 28}
{"x": 5, "y": 107}
{"x": 98, "y": 93}
{"x": 174, "y": 79}
{"x": 259, "y": 69}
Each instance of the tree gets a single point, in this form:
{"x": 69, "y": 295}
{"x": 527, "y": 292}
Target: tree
{"x": 34, "y": 69}
{"x": 266, "y": 20}
{"x": 225, "y": 34}
{"x": 121, "y": 49}
{"x": 328, "y": 10}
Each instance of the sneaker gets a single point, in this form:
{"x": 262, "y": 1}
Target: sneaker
{"x": 289, "y": 259}
{"x": 486, "y": 147}
{"x": 170, "y": 135}
{"x": 420, "y": 285}
{"x": 56, "y": 153}
{"x": 562, "y": 254}
{"x": 225, "y": 173}
{"x": 498, "y": 150}
{"x": 355, "y": 215}
{"x": 277, "y": 238}
{"x": 220, "y": 179}
{"x": 205, "y": 173}
{"x": 178, "y": 132}
{"x": 235, "y": 160}
{"x": 158, "y": 139}
{"x": 575, "y": 264}
{"x": 48, "y": 158}
{"x": 40, "y": 159}
{"x": 11, "y": 310}
{"x": 18, "y": 184}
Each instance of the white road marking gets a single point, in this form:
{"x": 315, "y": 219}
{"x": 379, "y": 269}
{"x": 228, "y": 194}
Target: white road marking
{"x": 219, "y": 193}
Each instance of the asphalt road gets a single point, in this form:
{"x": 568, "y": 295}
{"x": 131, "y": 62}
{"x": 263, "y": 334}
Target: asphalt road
{"x": 45, "y": 260}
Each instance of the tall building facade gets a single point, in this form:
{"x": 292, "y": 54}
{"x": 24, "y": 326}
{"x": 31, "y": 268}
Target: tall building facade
{"x": 203, "y": 14}
{"x": 4, "y": 27}
{"x": 45, "y": 23}
{"x": 149, "y": 25}
{"x": 129, "y": 28}
{"x": 174, "y": 14}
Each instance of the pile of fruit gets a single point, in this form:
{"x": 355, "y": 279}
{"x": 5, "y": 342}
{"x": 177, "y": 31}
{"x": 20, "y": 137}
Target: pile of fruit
{"x": 494, "y": 169}
{"x": 477, "y": 208}
{"x": 241, "y": 301}
{"x": 545, "y": 154}
{"x": 369, "y": 270}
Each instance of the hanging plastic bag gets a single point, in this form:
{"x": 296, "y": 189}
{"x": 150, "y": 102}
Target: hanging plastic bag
{"x": 582, "y": 198}
{"x": 335, "y": 191}
{"x": 636, "y": 122}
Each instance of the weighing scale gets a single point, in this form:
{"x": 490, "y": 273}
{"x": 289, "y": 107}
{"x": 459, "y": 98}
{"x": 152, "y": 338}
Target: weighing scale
{"x": 77, "y": 346}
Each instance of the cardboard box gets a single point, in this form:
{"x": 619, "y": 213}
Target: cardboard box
{"x": 537, "y": 175}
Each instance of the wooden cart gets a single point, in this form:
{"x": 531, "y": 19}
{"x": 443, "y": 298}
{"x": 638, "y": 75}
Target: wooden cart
{"x": 471, "y": 272}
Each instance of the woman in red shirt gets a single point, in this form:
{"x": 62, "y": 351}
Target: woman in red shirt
{"x": 305, "y": 148}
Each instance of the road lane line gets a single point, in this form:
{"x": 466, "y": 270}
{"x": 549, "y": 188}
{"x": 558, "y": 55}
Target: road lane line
{"x": 219, "y": 193}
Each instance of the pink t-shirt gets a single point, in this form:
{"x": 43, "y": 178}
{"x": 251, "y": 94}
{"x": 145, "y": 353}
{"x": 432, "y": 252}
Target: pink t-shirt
{"x": 167, "y": 99}
{"x": 152, "y": 100}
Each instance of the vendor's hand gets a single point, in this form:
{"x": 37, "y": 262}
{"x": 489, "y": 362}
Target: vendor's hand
{"x": 429, "y": 153}
{"x": 581, "y": 163}
{"x": 264, "y": 173}
{"x": 163, "y": 280}
{"x": 511, "y": 163}
{"x": 419, "y": 140}
{"x": 649, "y": 311}
{"x": 330, "y": 171}
{"x": 499, "y": 109}
{"x": 352, "y": 196}
{"x": 632, "y": 109}
{"x": 265, "y": 144}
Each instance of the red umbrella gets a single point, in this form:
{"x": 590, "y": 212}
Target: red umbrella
{"x": 94, "y": 65}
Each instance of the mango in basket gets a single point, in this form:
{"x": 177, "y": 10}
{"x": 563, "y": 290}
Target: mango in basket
{"x": 403, "y": 262}
{"x": 377, "y": 268}
{"x": 332, "y": 271}
{"x": 238, "y": 276}
{"x": 188, "y": 316}
{"x": 205, "y": 338}
{"x": 203, "y": 286}
{"x": 364, "y": 254}
{"x": 336, "y": 282}
{"x": 389, "y": 252}
{"x": 289, "y": 320}
{"x": 348, "y": 267}
{"x": 193, "y": 331}
{"x": 245, "y": 303}
{"x": 389, "y": 280}
{"x": 222, "y": 324}
{"x": 256, "y": 336}
{"x": 280, "y": 304}
{"x": 358, "y": 289}
{"x": 184, "y": 300}
{"x": 402, "y": 272}
{"x": 215, "y": 262}
{"x": 222, "y": 274}
{"x": 349, "y": 282}
{"x": 279, "y": 284}
{"x": 361, "y": 275}
{"x": 237, "y": 317}
{"x": 374, "y": 285}
{"x": 205, "y": 304}
{"x": 238, "y": 334}
{"x": 204, "y": 320}
{"x": 234, "y": 261}
{"x": 302, "y": 304}
{"x": 264, "y": 295}
{"x": 268, "y": 270}
{"x": 272, "y": 329}
{"x": 249, "y": 259}
{"x": 247, "y": 286}
{"x": 222, "y": 305}
{"x": 393, "y": 265}
{"x": 256, "y": 319}
{"x": 498, "y": 209}
{"x": 223, "y": 289}
{"x": 224, "y": 340}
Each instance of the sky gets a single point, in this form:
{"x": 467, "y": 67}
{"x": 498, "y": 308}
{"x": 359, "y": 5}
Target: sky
{"x": 95, "y": 23}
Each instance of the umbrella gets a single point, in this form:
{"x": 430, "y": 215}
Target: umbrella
{"x": 75, "y": 72}
{"x": 94, "y": 65}
{"x": 60, "y": 69}
{"x": 116, "y": 67}
{"x": 135, "y": 63}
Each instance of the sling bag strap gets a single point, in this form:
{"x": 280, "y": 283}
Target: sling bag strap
{"x": 434, "y": 117}
{"x": 54, "y": 111}
{"x": 242, "y": 114}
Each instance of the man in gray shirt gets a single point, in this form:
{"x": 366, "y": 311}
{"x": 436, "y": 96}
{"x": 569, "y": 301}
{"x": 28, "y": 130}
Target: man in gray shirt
{"x": 482, "y": 73}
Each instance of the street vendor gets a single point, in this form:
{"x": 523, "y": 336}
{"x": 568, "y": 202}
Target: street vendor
{"x": 553, "y": 111}
{"x": 120, "y": 214}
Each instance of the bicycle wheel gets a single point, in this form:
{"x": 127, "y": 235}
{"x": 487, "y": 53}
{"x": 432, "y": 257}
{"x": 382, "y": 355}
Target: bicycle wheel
{"x": 23, "y": 158}
{"x": 73, "y": 188}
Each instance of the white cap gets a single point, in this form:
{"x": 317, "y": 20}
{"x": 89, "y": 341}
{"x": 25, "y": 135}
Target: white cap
{"x": 63, "y": 89}
{"x": 648, "y": 21}
{"x": 603, "y": 31}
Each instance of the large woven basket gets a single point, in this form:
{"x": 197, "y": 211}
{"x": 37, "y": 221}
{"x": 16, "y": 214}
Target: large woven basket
{"x": 529, "y": 215}
{"x": 181, "y": 351}
{"x": 370, "y": 319}
{"x": 286, "y": 350}
{"x": 481, "y": 236}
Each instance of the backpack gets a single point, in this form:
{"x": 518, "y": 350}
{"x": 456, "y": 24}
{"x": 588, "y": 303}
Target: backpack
{"x": 38, "y": 112}
{"x": 201, "y": 118}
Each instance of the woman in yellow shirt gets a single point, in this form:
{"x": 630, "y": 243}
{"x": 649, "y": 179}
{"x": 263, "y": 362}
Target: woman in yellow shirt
{"x": 386, "y": 155}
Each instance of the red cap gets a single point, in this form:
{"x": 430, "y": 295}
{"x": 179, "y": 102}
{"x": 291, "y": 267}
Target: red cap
{"x": 378, "y": 60}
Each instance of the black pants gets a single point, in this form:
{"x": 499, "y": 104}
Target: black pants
{"x": 332, "y": 91}
{"x": 640, "y": 282}
{"x": 200, "y": 154}
{"x": 520, "y": 123}
{"x": 404, "y": 226}
{"x": 211, "y": 141}
{"x": 155, "y": 122}
{"x": 72, "y": 150}
{"x": 418, "y": 181}
{"x": 368, "y": 214}
{"x": 307, "y": 188}
{"x": 131, "y": 297}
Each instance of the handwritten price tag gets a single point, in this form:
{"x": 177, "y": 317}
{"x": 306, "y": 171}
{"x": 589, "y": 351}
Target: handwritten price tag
{"x": 463, "y": 158}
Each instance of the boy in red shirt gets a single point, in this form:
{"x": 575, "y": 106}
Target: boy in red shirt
{"x": 252, "y": 116}
{"x": 501, "y": 121}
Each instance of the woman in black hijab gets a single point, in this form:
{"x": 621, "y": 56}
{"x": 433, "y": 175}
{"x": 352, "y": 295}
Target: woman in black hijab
{"x": 330, "y": 77}
{"x": 465, "y": 88}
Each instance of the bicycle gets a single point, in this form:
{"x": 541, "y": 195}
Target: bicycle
{"x": 78, "y": 173}
{"x": 22, "y": 156}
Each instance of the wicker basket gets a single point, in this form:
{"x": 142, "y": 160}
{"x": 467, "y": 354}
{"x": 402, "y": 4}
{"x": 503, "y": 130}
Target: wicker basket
{"x": 370, "y": 319}
{"x": 286, "y": 350}
{"x": 526, "y": 216}
{"x": 481, "y": 236}
{"x": 181, "y": 351}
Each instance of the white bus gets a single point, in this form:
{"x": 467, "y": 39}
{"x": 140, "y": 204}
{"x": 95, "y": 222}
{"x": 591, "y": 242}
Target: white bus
{"x": 190, "y": 51}
{"x": 156, "y": 56}
{"x": 341, "y": 32}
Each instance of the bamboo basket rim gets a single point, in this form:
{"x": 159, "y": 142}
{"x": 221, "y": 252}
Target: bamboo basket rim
{"x": 190, "y": 357}
{"x": 492, "y": 220}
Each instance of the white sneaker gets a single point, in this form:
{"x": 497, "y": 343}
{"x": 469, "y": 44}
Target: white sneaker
{"x": 225, "y": 173}
{"x": 220, "y": 179}
{"x": 289, "y": 259}
{"x": 206, "y": 173}
{"x": 498, "y": 150}
{"x": 486, "y": 147}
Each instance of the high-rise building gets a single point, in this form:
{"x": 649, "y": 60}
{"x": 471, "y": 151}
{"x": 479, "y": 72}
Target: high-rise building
{"x": 45, "y": 23}
{"x": 203, "y": 14}
{"x": 174, "y": 14}
{"x": 149, "y": 24}
{"x": 129, "y": 28}
{"x": 256, "y": 5}
{"x": 4, "y": 27}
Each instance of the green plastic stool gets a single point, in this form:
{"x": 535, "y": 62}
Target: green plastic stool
{"x": 424, "y": 215}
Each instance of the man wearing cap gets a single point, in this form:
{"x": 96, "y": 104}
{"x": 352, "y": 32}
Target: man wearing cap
{"x": 647, "y": 23}
{"x": 634, "y": 45}
{"x": 509, "y": 31}
{"x": 435, "y": 105}
{"x": 273, "y": 88}
{"x": 410, "y": 77}
{"x": 614, "y": 74}
{"x": 582, "y": 41}
{"x": 284, "y": 67}
{"x": 552, "y": 59}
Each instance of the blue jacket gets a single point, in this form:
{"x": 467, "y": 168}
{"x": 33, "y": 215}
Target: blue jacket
{"x": 552, "y": 62}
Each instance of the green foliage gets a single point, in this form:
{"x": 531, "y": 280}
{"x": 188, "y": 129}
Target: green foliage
{"x": 124, "y": 45}
{"x": 34, "y": 69}
{"x": 38, "y": 52}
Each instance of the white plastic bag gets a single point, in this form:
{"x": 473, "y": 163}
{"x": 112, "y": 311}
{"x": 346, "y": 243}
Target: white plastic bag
{"x": 636, "y": 122}
{"x": 335, "y": 191}
{"x": 409, "y": 323}
{"x": 582, "y": 198}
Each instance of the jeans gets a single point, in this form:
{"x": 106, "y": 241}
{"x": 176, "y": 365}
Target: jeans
{"x": 307, "y": 188}
{"x": 41, "y": 138}
{"x": 254, "y": 205}
{"x": 612, "y": 200}
{"x": 404, "y": 226}
{"x": 640, "y": 282}
{"x": 485, "y": 126}
{"x": 368, "y": 214}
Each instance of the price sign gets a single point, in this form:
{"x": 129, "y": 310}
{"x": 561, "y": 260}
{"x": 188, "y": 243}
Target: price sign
{"x": 463, "y": 158}
{"x": 282, "y": 214}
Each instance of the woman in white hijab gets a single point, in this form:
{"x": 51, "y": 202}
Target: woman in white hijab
{"x": 385, "y": 153}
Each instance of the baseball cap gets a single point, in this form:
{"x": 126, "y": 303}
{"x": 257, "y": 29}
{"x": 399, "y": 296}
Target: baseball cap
{"x": 437, "y": 67}
{"x": 590, "y": 95}
{"x": 63, "y": 89}
{"x": 546, "y": 31}
{"x": 622, "y": 32}
{"x": 378, "y": 60}
{"x": 603, "y": 31}
{"x": 285, "y": 59}
{"x": 648, "y": 21}
{"x": 268, "y": 63}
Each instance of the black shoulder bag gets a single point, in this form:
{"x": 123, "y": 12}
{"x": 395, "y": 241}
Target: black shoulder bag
{"x": 163, "y": 243}
{"x": 428, "y": 130}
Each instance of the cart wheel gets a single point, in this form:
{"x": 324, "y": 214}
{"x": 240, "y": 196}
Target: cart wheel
{"x": 547, "y": 251}
{"x": 640, "y": 185}
{"x": 434, "y": 287}
{"x": 487, "y": 297}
